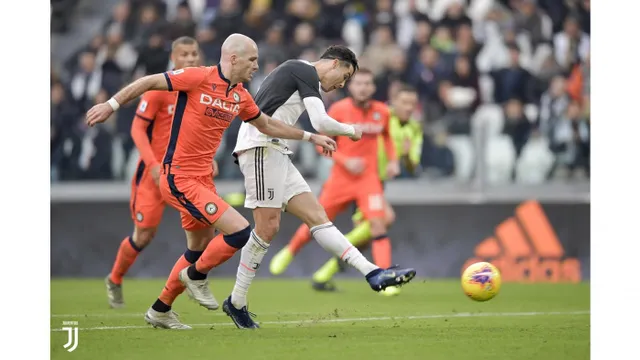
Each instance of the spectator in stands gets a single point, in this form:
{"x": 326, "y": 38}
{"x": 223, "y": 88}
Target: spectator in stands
{"x": 86, "y": 81}
{"x": 381, "y": 49}
{"x": 95, "y": 156}
{"x": 460, "y": 95}
{"x": 60, "y": 14}
{"x": 299, "y": 11}
{"x": 259, "y": 18}
{"x": 466, "y": 45}
{"x": 149, "y": 23}
{"x": 427, "y": 75}
{"x": 304, "y": 38}
{"x": 437, "y": 158}
{"x": 272, "y": 47}
{"x": 571, "y": 142}
{"x": 64, "y": 115}
{"x": 183, "y": 25}
{"x": 572, "y": 44}
{"x": 433, "y": 45}
{"x": 332, "y": 19}
{"x": 121, "y": 18}
{"x": 153, "y": 57}
{"x": 455, "y": 17}
{"x": 94, "y": 46}
{"x": 396, "y": 68}
{"x": 442, "y": 40}
{"x": 553, "y": 106}
{"x": 421, "y": 38}
{"x": 513, "y": 81}
{"x": 516, "y": 125}
{"x": 122, "y": 53}
{"x": 531, "y": 21}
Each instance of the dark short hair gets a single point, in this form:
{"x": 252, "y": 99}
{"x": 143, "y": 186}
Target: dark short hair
{"x": 183, "y": 40}
{"x": 406, "y": 88}
{"x": 342, "y": 53}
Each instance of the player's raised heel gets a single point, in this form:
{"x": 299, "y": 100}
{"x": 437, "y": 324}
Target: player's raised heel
{"x": 166, "y": 320}
{"x": 114, "y": 293}
{"x": 241, "y": 317}
{"x": 381, "y": 279}
{"x": 198, "y": 290}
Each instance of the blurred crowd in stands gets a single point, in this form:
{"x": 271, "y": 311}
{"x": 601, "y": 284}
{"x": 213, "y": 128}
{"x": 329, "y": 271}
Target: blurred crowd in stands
{"x": 503, "y": 84}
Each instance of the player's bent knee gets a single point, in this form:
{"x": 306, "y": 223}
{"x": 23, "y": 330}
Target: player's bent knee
{"x": 239, "y": 238}
{"x": 231, "y": 221}
{"x": 199, "y": 239}
{"x": 389, "y": 216}
{"x": 143, "y": 236}
{"x": 378, "y": 227}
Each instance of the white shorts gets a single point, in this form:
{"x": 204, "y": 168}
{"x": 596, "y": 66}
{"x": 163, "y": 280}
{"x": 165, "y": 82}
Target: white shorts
{"x": 270, "y": 178}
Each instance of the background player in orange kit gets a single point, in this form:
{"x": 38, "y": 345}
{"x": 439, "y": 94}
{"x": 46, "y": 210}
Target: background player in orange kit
{"x": 150, "y": 133}
{"x": 355, "y": 175}
{"x": 209, "y": 98}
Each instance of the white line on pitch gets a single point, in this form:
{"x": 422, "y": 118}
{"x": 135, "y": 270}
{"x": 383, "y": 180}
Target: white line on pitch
{"x": 383, "y": 318}
{"x": 133, "y": 315}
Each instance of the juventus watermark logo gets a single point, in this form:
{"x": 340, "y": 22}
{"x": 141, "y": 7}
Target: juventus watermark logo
{"x": 71, "y": 327}
{"x": 271, "y": 193}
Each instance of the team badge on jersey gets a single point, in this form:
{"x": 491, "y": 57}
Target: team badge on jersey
{"x": 211, "y": 208}
{"x": 143, "y": 106}
{"x": 236, "y": 97}
{"x": 376, "y": 116}
{"x": 139, "y": 217}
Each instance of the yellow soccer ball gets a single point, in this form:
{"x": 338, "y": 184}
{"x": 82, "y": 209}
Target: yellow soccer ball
{"x": 481, "y": 281}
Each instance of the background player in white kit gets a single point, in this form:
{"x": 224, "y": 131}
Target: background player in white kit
{"x": 273, "y": 183}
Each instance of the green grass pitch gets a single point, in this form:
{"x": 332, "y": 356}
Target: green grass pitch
{"x": 428, "y": 320}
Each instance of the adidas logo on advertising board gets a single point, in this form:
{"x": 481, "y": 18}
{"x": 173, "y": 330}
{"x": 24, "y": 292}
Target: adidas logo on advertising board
{"x": 525, "y": 247}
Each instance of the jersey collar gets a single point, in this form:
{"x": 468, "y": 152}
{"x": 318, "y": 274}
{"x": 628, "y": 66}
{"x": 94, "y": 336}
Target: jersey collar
{"x": 229, "y": 86}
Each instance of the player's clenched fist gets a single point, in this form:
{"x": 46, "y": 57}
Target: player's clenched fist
{"x": 327, "y": 144}
{"x": 357, "y": 135}
{"x": 99, "y": 113}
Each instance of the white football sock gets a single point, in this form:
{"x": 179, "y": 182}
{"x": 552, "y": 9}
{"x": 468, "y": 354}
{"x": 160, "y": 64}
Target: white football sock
{"x": 250, "y": 259}
{"x": 332, "y": 240}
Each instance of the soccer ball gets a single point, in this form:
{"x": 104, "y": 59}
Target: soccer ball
{"x": 481, "y": 281}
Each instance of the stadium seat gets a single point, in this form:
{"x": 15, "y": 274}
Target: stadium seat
{"x": 500, "y": 159}
{"x": 531, "y": 112}
{"x": 486, "y": 85}
{"x": 478, "y": 10}
{"x": 489, "y": 116}
{"x": 463, "y": 154}
{"x": 535, "y": 162}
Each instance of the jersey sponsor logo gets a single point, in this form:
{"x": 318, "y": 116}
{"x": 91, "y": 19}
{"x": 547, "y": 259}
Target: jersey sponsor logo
{"x": 220, "y": 104}
{"x": 218, "y": 114}
{"x": 143, "y": 106}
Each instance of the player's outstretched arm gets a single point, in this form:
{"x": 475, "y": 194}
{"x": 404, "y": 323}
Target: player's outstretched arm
{"x": 279, "y": 129}
{"x": 99, "y": 113}
{"x": 324, "y": 123}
